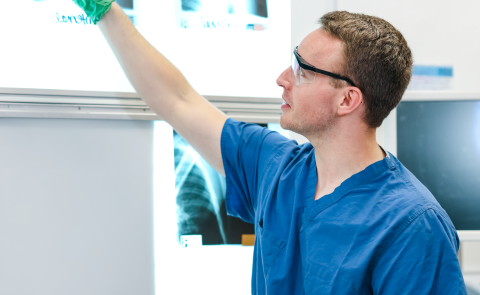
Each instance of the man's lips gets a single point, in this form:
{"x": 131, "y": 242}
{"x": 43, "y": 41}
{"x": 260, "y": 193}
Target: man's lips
{"x": 285, "y": 104}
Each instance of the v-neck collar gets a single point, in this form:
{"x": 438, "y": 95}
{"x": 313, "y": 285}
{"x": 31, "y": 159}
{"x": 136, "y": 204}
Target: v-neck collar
{"x": 313, "y": 208}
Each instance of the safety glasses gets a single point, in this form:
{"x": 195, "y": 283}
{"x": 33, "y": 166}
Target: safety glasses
{"x": 305, "y": 73}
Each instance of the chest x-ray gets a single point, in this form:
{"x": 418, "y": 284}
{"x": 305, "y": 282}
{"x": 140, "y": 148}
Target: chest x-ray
{"x": 200, "y": 198}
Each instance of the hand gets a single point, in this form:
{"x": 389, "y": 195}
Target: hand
{"x": 94, "y": 9}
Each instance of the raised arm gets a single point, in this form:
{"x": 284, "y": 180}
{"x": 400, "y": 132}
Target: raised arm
{"x": 163, "y": 87}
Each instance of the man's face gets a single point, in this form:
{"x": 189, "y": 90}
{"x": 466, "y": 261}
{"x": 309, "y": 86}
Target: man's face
{"x": 311, "y": 108}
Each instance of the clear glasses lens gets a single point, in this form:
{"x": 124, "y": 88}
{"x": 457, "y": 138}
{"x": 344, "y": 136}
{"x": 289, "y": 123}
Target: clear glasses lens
{"x": 301, "y": 76}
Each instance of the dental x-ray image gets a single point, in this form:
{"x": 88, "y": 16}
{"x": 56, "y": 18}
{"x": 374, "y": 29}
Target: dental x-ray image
{"x": 200, "y": 198}
{"x": 222, "y": 14}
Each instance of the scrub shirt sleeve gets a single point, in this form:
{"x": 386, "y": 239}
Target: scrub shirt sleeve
{"x": 422, "y": 260}
{"x": 247, "y": 149}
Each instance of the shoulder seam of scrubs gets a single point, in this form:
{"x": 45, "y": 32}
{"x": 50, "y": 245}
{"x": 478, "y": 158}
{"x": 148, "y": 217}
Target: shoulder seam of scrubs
{"x": 382, "y": 249}
{"x": 273, "y": 158}
{"x": 427, "y": 203}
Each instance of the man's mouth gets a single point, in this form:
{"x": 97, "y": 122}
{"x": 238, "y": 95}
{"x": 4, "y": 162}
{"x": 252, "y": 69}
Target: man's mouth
{"x": 285, "y": 105}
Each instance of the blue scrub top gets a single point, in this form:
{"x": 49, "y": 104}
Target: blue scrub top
{"x": 380, "y": 232}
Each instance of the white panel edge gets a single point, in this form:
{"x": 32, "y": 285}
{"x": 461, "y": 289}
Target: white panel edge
{"x": 439, "y": 95}
{"x": 469, "y": 235}
{"x": 48, "y": 103}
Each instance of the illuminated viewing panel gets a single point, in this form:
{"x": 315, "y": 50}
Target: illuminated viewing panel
{"x": 223, "y": 47}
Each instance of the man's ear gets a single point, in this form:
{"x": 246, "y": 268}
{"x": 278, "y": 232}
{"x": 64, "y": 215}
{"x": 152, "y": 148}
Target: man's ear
{"x": 352, "y": 99}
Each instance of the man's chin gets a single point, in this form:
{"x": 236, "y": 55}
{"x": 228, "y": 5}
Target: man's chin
{"x": 285, "y": 123}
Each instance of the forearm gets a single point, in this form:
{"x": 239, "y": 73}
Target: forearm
{"x": 160, "y": 84}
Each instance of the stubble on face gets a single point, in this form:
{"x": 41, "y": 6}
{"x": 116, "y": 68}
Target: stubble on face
{"x": 315, "y": 118}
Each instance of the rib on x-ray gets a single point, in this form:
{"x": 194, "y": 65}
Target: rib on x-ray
{"x": 200, "y": 198}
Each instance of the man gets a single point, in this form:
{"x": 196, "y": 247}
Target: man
{"x": 339, "y": 215}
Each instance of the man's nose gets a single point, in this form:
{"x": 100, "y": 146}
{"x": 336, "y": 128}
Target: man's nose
{"x": 284, "y": 80}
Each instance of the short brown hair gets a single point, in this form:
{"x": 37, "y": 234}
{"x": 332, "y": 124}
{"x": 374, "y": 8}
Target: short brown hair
{"x": 377, "y": 59}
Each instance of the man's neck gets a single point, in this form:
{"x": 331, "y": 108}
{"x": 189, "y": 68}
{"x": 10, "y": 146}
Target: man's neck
{"x": 341, "y": 156}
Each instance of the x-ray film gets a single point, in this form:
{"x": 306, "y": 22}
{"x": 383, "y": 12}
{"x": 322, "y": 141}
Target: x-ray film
{"x": 200, "y": 199}
{"x": 222, "y": 14}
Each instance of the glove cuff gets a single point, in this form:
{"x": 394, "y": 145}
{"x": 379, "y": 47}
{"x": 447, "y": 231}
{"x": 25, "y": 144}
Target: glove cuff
{"x": 94, "y": 9}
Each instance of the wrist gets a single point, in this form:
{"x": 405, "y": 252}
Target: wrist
{"x": 114, "y": 9}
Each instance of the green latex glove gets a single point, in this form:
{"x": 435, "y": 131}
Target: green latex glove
{"x": 94, "y": 9}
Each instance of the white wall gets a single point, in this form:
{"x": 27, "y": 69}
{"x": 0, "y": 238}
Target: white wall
{"x": 470, "y": 256}
{"x": 76, "y": 207}
{"x": 305, "y": 16}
